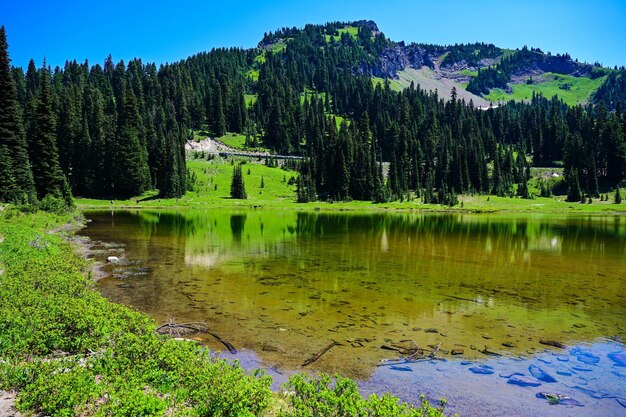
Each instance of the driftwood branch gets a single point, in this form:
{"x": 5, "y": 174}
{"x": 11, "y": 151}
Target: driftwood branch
{"x": 230, "y": 347}
{"x": 552, "y": 343}
{"x": 412, "y": 353}
{"x": 174, "y": 329}
{"x": 487, "y": 352}
{"x": 320, "y": 353}
{"x": 434, "y": 352}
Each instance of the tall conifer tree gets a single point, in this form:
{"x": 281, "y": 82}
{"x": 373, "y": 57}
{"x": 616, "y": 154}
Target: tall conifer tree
{"x": 49, "y": 178}
{"x": 16, "y": 177}
{"x": 237, "y": 187}
{"x": 132, "y": 176}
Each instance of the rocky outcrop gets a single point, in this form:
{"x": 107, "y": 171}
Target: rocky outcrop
{"x": 395, "y": 59}
{"x": 555, "y": 64}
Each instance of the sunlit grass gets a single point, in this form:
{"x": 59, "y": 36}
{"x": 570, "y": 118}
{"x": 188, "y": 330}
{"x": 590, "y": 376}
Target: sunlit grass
{"x": 251, "y": 98}
{"x": 572, "y": 90}
{"x": 351, "y": 30}
{"x": 395, "y": 85}
{"x": 213, "y": 190}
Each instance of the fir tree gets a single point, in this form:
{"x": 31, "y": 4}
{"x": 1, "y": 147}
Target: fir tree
{"x": 302, "y": 195}
{"x": 16, "y": 176}
{"x": 132, "y": 176}
{"x": 574, "y": 192}
{"x": 237, "y": 186}
{"x": 8, "y": 190}
{"x": 219, "y": 120}
{"x": 618, "y": 196}
{"x": 49, "y": 178}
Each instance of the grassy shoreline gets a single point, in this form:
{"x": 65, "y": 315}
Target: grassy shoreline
{"x": 69, "y": 351}
{"x": 274, "y": 188}
{"x": 212, "y": 191}
{"x": 470, "y": 204}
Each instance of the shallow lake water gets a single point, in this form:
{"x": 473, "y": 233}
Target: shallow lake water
{"x": 282, "y": 285}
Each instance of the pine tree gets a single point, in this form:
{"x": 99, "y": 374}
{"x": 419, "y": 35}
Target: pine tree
{"x": 237, "y": 186}
{"x": 305, "y": 186}
{"x": 618, "y": 196}
{"x": 33, "y": 84}
{"x": 132, "y": 176}
{"x": 522, "y": 189}
{"x": 574, "y": 192}
{"x": 219, "y": 120}
{"x": 8, "y": 190}
{"x": 496, "y": 179}
{"x": 301, "y": 192}
{"x": 49, "y": 178}
{"x": 16, "y": 176}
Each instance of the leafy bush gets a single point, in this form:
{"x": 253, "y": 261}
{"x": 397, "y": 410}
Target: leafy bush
{"x": 58, "y": 387}
{"x": 326, "y": 396}
{"x": 54, "y": 204}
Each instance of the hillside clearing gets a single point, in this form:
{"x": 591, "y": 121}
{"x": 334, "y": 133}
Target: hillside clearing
{"x": 572, "y": 90}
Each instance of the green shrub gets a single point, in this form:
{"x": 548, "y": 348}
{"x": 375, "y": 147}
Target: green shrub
{"x": 136, "y": 403}
{"x": 54, "y": 204}
{"x": 60, "y": 388}
{"x": 326, "y": 396}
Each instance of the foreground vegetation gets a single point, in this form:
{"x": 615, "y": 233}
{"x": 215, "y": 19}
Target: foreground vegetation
{"x": 69, "y": 351}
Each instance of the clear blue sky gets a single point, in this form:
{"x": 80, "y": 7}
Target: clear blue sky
{"x": 162, "y": 31}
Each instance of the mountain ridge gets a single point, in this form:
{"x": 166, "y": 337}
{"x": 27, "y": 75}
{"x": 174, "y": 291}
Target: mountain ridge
{"x": 460, "y": 64}
{"x": 120, "y": 129}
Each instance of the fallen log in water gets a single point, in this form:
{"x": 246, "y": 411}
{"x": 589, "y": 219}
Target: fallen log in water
{"x": 172, "y": 328}
{"x": 487, "y": 352}
{"x": 552, "y": 343}
{"x": 385, "y": 347}
{"x": 178, "y": 330}
{"x": 414, "y": 352}
{"x": 320, "y": 353}
{"x": 434, "y": 352}
{"x": 230, "y": 347}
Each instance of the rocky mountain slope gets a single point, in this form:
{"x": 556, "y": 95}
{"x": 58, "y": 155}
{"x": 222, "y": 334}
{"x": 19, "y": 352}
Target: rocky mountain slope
{"x": 481, "y": 72}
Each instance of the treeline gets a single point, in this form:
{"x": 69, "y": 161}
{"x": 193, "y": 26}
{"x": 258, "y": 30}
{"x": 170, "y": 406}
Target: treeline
{"x": 471, "y": 53}
{"x": 430, "y": 148}
{"x": 612, "y": 92}
{"x": 426, "y": 146}
{"x": 120, "y": 129}
{"x": 115, "y": 130}
{"x": 594, "y": 151}
{"x": 499, "y": 75}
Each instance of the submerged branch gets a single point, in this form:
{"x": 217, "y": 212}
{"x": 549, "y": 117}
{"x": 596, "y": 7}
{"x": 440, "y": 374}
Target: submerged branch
{"x": 230, "y": 347}
{"x": 320, "y": 353}
{"x": 174, "y": 329}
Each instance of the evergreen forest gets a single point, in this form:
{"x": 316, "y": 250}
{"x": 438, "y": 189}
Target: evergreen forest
{"x": 118, "y": 129}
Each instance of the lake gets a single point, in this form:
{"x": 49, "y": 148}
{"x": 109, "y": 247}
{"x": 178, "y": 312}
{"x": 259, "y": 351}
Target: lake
{"x": 469, "y": 290}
